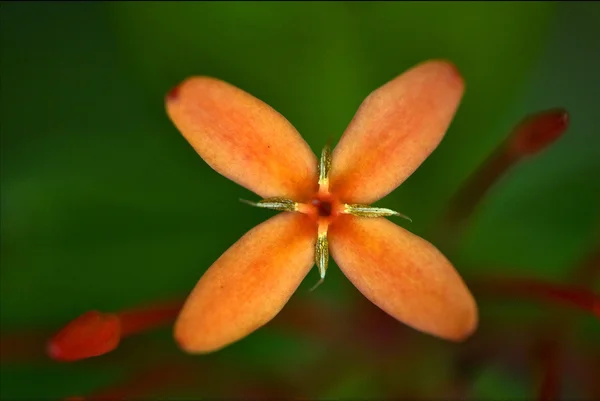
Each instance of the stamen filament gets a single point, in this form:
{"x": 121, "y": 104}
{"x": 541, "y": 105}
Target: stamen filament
{"x": 321, "y": 254}
{"x": 281, "y": 204}
{"x": 371, "y": 211}
{"x": 324, "y": 167}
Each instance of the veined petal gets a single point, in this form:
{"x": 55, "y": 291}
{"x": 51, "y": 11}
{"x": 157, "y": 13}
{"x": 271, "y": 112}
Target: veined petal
{"x": 243, "y": 138}
{"x": 404, "y": 275}
{"x": 248, "y": 285}
{"x": 394, "y": 130}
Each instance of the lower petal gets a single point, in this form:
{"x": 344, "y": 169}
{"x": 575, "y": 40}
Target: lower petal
{"x": 404, "y": 275}
{"x": 248, "y": 285}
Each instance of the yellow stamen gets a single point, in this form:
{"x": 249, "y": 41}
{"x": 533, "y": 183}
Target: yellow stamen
{"x": 321, "y": 254}
{"x": 324, "y": 167}
{"x": 371, "y": 211}
{"x": 282, "y": 204}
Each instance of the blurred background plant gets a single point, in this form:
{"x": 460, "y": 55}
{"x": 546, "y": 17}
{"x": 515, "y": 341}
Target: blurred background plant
{"x": 105, "y": 207}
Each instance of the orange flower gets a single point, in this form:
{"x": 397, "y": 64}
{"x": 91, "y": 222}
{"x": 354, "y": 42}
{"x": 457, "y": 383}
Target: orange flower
{"x": 325, "y": 207}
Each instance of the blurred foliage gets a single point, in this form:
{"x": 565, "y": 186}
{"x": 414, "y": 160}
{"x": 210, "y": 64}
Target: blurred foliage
{"x": 104, "y": 205}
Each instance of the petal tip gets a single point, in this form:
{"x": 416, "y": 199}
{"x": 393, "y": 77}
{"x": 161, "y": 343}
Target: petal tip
{"x": 452, "y": 68}
{"x": 182, "y": 338}
{"x": 189, "y": 342}
{"x": 173, "y": 93}
{"x": 444, "y": 66}
{"x": 467, "y": 326}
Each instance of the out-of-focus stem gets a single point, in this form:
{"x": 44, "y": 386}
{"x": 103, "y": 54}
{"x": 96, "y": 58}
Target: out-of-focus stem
{"x": 568, "y": 295}
{"x": 530, "y": 136}
{"x": 589, "y": 269}
{"x": 552, "y": 341}
{"x": 490, "y": 345}
{"x": 309, "y": 318}
{"x": 148, "y": 317}
{"x": 181, "y": 374}
{"x": 550, "y": 361}
{"x": 22, "y": 346}
{"x": 463, "y": 203}
{"x": 148, "y": 382}
{"x": 550, "y": 345}
{"x": 588, "y": 372}
{"x": 360, "y": 327}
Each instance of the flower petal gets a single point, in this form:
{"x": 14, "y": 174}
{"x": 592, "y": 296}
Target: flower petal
{"x": 404, "y": 275}
{"x": 243, "y": 138}
{"x": 248, "y": 285}
{"x": 394, "y": 130}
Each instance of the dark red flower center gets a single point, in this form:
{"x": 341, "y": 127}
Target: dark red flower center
{"x": 324, "y": 207}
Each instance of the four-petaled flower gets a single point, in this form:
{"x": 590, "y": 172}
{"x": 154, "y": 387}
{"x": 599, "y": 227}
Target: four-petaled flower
{"x": 325, "y": 207}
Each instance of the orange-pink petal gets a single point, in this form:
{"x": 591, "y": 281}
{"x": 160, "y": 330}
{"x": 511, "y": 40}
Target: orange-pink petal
{"x": 404, "y": 275}
{"x": 248, "y": 285}
{"x": 394, "y": 130}
{"x": 243, "y": 138}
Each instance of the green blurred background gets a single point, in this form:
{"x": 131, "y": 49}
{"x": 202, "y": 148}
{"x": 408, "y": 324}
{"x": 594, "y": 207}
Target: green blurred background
{"x": 105, "y": 206}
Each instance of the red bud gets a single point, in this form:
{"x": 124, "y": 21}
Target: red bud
{"x": 539, "y": 130}
{"x": 91, "y": 334}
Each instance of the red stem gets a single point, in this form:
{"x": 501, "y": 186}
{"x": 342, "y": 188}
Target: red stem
{"x": 96, "y": 333}
{"x": 531, "y": 135}
{"x": 147, "y": 317}
{"x": 574, "y": 296}
{"x": 551, "y": 364}
{"x": 473, "y": 190}
{"x": 149, "y": 381}
{"x": 589, "y": 268}
{"x": 23, "y": 346}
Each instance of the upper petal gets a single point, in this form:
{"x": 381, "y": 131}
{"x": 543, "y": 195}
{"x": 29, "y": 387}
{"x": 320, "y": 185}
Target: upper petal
{"x": 394, "y": 130}
{"x": 248, "y": 285}
{"x": 404, "y": 275}
{"x": 243, "y": 138}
